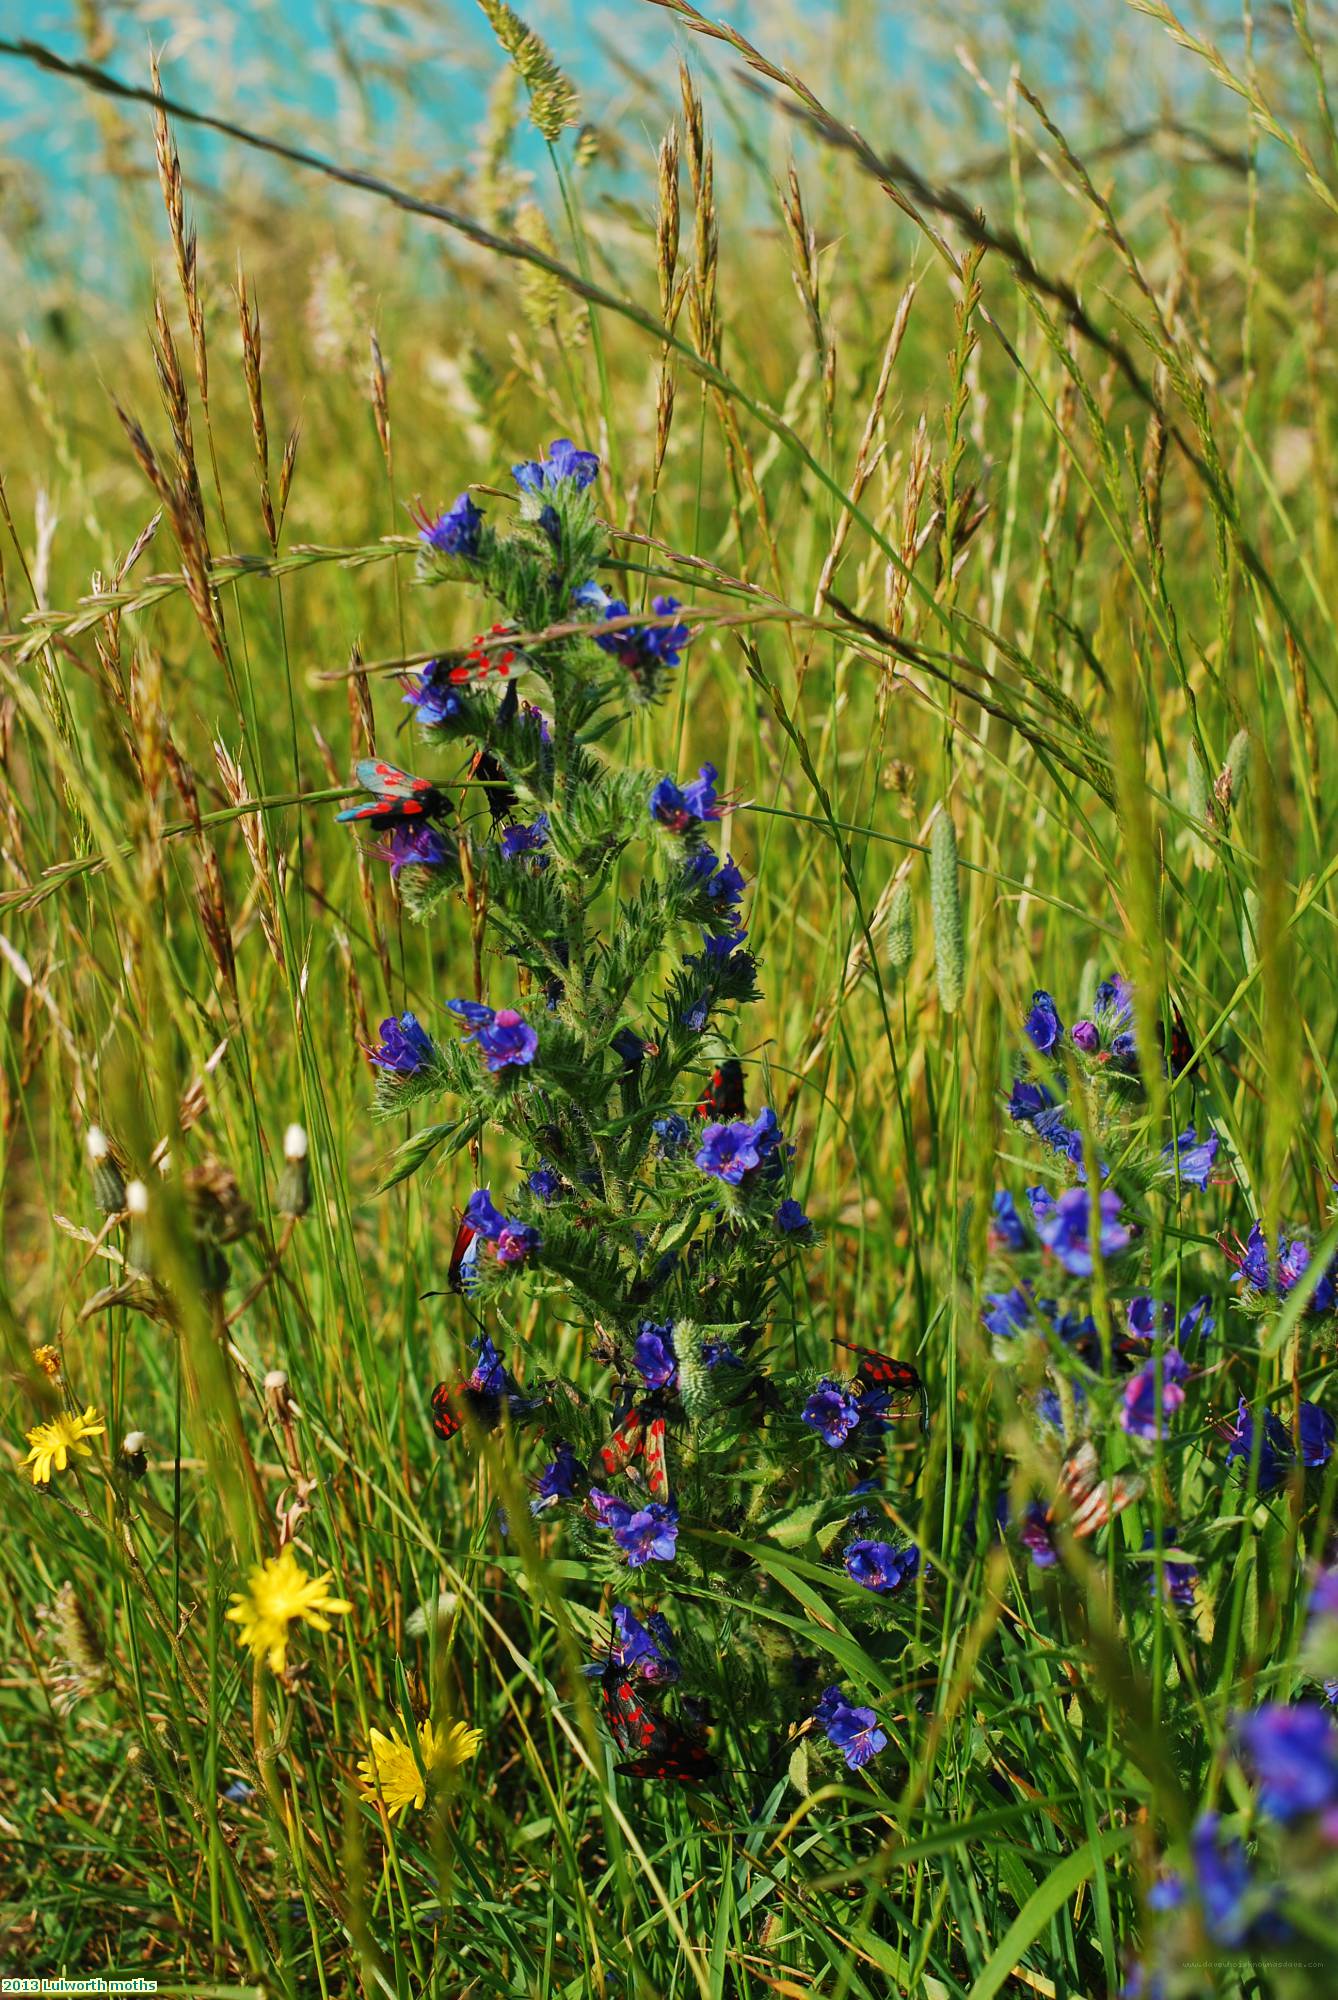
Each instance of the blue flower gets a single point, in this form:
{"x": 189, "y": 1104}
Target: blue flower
{"x": 518, "y": 840}
{"x": 833, "y": 1412}
{"x": 1315, "y": 1433}
{"x": 1142, "y": 1316}
{"x": 1007, "y": 1230}
{"x": 1191, "y": 1158}
{"x": 433, "y": 697}
{"x": 722, "y": 883}
{"x": 512, "y": 1241}
{"x": 1049, "y": 1408}
{"x": 1066, "y": 1229}
{"x": 718, "y": 1354}
{"x": 1040, "y": 1201}
{"x": 489, "y": 1374}
{"x": 1049, "y": 1126}
{"x": 881, "y": 1566}
{"x": 505, "y": 1037}
{"x": 643, "y": 647}
{"x": 1042, "y": 1025}
{"x": 1275, "y": 1447}
{"x": 1085, "y": 1035}
{"x": 405, "y": 1048}
{"x": 1324, "y": 1595}
{"x": 725, "y": 945}
{"x": 544, "y": 1181}
{"x": 1028, "y": 1100}
{"x": 653, "y": 1354}
{"x": 790, "y": 1218}
{"x": 672, "y": 1132}
{"x": 852, "y": 1731}
{"x": 644, "y": 1651}
{"x": 516, "y": 1242}
{"x": 1254, "y": 1270}
{"x": 1294, "y": 1755}
{"x": 456, "y": 532}
{"x": 415, "y": 845}
{"x": 1181, "y": 1579}
{"x": 731, "y": 1151}
{"x": 1036, "y": 1536}
{"x": 559, "y": 1480}
{"x": 648, "y": 1535}
{"x": 1222, "y": 1880}
{"x": 693, "y": 805}
{"x": 607, "y": 1509}
{"x": 564, "y": 462}
{"x": 1237, "y": 1911}
{"x": 1007, "y": 1313}
{"x": 1140, "y": 1416}
{"x": 1115, "y": 1002}
{"x": 1145, "y": 1315}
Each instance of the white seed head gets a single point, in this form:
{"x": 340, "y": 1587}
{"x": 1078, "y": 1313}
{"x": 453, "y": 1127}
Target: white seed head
{"x": 96, "y": 1142}
{"x": 276, "y": 1381}
{"x": 133, "y": 1443}
{"x": 295, "y": 1143}
{"x": 137, "y": 1198}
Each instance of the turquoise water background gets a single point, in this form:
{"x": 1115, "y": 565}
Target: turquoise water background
{"x": 401, "y": 89}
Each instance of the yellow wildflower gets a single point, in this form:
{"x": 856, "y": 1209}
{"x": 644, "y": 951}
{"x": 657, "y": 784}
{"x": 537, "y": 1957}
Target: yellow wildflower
{"x": 52, "y": 1443}
{"x": 392, "y": 1769}
{"x": 47, "y": 1359}
{"x": 277, "y": 1592}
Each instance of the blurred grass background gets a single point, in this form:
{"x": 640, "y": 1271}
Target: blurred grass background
{"x": 1097, "y": 431}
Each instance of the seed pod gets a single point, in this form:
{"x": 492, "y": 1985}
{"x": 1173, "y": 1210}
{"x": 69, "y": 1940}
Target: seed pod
{"x": 900, "y": 934}
{"x": 949, "y": 952}
{"x": 108, "y": 1180}
{"x": 294, "y": 1191}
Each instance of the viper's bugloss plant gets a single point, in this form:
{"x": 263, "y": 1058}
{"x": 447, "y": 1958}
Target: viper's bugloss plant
{"x": 655, "y": 1200}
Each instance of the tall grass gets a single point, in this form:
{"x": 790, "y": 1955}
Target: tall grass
{"x": 1005, "y": 507}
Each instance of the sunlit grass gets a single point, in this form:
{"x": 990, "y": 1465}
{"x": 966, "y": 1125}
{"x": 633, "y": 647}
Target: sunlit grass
{"x": 1052, "y": 558}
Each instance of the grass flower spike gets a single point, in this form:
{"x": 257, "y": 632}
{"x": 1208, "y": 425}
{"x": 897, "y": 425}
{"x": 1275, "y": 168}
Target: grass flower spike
{"x": 278, "y": 1592}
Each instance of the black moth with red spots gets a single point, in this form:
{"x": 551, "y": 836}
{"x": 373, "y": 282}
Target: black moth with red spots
{"x": 722, "y": 1099}
{"x": 899, "y": 1378}
{"x": 397, "y": 797}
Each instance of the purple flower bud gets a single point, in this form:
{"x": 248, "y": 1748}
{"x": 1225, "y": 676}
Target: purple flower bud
{"x": 1042, "y": 1025}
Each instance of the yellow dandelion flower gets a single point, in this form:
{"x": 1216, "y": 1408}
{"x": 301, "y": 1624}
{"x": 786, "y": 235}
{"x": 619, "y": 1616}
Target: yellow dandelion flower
{"x": 392, "y": 1771}
{"x": 52, "y": 1443}
{"x": 47, "y": 1359}
{"x": 278, "y": 1591}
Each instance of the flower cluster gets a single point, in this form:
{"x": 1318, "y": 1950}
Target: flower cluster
{"x": 656, "y": 1201}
